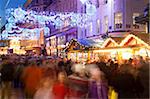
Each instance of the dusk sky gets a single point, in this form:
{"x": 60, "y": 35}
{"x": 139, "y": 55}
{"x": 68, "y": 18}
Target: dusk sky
{"x": 4, "y": 4}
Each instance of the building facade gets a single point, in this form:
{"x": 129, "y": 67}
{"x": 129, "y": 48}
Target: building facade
{"x": 112, "y": 17}
{"x": 115, "y": 16}
{"x": 144, "y": 18}
{"x": 57, "y": 39}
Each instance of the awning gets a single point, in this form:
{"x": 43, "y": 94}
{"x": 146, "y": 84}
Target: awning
{"x": 83, "y": 44}
{"x": 90, "y": 43}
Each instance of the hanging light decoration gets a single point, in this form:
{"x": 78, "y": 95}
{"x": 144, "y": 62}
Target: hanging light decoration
{"x": 90, "y": 9}
{"x": 57, "y": 19}
{"x": 19, "y": 15}
{"x": 84, "y": 1}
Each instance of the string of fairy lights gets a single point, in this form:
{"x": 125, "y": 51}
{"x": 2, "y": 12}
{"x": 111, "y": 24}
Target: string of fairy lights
{"x": 58, "y": 19}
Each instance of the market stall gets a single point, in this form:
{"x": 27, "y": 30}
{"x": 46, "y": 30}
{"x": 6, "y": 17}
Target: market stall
{"x": 81, "y": 50}
{"x": 139, "y": 42}
{"x": 134, "y": 44}
{"x": 74, "y": 50}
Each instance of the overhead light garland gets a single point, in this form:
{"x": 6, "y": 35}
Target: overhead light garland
{"x": 54, "y": 18}
{"x": 75, "y": 19}
{"x": 58, "y": 19}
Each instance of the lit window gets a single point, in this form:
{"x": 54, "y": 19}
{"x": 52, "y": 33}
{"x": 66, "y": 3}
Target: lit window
{"x": 91, "y": 27}
{"x": 61, "y": 40}
{"x": 106, "y": 23}
{"x": 66, "y": 23}
{"x": 118, "y": 20}
{"x": 53, "y": 41}
{"x": 98, "y": 26}
{"x": 134, "y": 16}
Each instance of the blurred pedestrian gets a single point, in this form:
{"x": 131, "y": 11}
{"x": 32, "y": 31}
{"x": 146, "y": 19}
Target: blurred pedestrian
{"x": 60, "y": 88}
{"x": 98, "y": 88}
{"x": 78, "y": 82}
{"x": 31, "y": 78}
{"x": 124, "y": 82}
{"x": 45, "y": 88}
{"x": 7, "y": 76}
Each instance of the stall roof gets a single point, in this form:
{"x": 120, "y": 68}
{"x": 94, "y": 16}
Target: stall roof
{"x": 118, "y": 39}
{"x": 90, "y": 42}
{"x": 143, "y": 36}
{"x": 85, "y": 43}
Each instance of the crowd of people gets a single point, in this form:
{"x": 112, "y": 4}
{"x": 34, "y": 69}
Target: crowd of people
{"x": 57, "y": 78}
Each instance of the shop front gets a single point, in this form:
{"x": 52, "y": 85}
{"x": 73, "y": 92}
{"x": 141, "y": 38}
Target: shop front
{"x": 4, "y": 44}
{"x": 30, "y": 46}
{"x": 61, "y": 44}
{"x": 53, "y": 46}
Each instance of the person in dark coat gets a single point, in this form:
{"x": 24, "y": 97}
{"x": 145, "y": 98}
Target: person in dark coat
{"x": 144, "y": 78}
{"x": 7, "y": 76}
{"x": 124, "y": 84}
{"x": 61, "y": 65}
{"x": 68, "y": 65}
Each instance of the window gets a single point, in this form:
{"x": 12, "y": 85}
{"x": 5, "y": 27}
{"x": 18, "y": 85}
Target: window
{"x": 105, "y": 1}
{"x": 66, "y": 23}
{"x": 82, "y": 10}
{"x": 118, "y": 20}
{"x": 85, "y": 32}
{"x": 106, "y": 23}
{"x": 61, "y": 40}
{"x": 53, "y": 41}
{"x": 97, "y": 3}
{"x": 134, "y": 16}
{"x": 91, "y": 27}
{"x": 98, "y": 26}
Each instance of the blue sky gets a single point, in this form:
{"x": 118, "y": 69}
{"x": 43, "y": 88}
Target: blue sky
{"x": 4, "y": 4}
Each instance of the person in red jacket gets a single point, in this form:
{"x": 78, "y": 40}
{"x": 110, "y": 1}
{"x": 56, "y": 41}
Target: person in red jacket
{"x": 60, "y": 89}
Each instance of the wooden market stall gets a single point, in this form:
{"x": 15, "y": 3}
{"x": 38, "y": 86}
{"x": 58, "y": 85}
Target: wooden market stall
{"x": 107, "y": 48}
{"x": 139, "y": 42}
{"x": 81, "y": 50}
{"x": 134, "y": 44}
{"x": 74, "y": 50}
